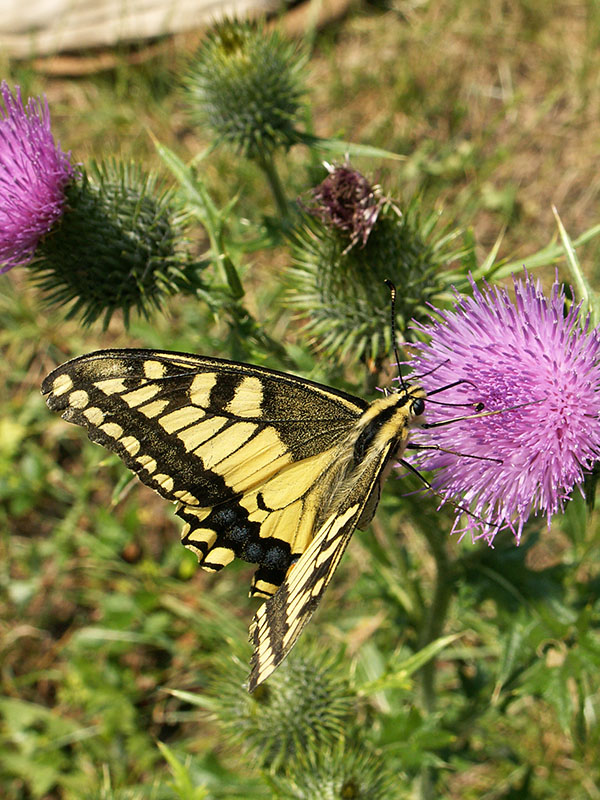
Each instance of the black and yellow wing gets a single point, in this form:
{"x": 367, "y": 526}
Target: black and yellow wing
{"x": 265, "y": 466}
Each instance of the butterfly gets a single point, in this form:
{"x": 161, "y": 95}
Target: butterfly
{"x": 264, "y": 466}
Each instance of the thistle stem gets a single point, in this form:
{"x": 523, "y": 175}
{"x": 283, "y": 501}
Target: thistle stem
{"x": 432, "y": 628}
{"x": 267, "y": 164}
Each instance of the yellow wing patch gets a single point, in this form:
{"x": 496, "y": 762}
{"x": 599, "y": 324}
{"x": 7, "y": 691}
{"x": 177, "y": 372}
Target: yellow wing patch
{"x": 247, "y": 399}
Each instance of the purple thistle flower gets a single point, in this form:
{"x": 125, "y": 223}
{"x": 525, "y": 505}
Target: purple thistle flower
{"x": 536, "y": 364}
{"x": 33, "y": 174}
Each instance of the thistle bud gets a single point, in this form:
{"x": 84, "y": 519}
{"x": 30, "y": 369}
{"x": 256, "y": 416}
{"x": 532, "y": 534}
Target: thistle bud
{"x": 246, "y": 85}
{"x": 304, "y": 706}
{"x": 349, "y": 240}
{"x": 117, "y": 247}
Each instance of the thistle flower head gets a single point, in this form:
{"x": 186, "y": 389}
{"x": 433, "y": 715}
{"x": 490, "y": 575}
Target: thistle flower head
{"x": 118, "y": 247}
{"x": 350, "y": 770}
{"x": 247, "y": 86}
{"x": 539, "y": 368}
{"x": 346, "y": 201}
{"x": 33, "y": 175}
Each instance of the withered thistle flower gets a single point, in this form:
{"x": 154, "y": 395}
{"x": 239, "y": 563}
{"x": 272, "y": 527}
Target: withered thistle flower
{"x": 346, "y": 201}
{"x": 345, "y": 245}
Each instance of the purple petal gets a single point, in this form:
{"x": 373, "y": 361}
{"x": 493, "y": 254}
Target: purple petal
{"x": 33, "y": 174}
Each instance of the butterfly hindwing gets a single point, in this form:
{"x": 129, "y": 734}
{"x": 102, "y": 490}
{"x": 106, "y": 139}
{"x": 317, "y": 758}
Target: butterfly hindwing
{"x": 270, "y": 525}
{"x": 279, "y": 622}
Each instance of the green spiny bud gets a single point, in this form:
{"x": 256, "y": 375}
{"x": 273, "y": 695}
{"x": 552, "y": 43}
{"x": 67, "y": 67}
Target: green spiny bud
{"x": 246, "y": 85}
{"x": 117, "y": 246}
{"x": 348, "y": 241}
{"x": 305, "y": 706}
{"x": 348, "y": 770}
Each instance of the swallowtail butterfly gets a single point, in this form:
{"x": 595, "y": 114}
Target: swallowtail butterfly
{"x": 263, "y": 465}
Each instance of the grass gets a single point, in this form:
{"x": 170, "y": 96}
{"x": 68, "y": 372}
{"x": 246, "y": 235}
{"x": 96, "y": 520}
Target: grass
{"x": 104, "y": 617}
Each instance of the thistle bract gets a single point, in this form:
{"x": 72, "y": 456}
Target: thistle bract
{"x": 246, "y": 85}
{"x": 538, "y": 366}
{"x": 118, "y": 247}
{"x": 34, "y": 173}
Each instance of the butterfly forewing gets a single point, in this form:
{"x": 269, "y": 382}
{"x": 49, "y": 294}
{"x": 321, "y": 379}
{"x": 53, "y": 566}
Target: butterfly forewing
{"x": 265, "y": 466}
{"x": 174, "y": 417}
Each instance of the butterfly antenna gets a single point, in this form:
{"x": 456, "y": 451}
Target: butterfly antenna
{"x": 479, "y": 414}
{"x": 392, "y": 289}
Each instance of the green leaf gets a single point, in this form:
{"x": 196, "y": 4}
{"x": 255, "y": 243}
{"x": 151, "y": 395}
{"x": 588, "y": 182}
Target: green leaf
{"x": 397, "y": 676}
{"x": 182, "y": 783}
{"x": 201, "y": 205}
{"x": 515, "y": 644}
{"x": 341, "y": 148}
{"x": 584, "y": 290}
{"x": 199, "y": 700}
{"x": 550, "y": 254}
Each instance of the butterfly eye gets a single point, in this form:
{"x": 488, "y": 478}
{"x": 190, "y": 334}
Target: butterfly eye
{"x": 418, "y": 406}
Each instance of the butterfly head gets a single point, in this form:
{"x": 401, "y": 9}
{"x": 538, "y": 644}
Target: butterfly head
{"x": 412, "y": 398}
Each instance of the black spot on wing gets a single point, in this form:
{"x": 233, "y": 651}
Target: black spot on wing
{"x": 224, "y": 517}
{"x": 224, "y": 389}
{"x": 236, "y": 532}
{"x": 260, "y": 502}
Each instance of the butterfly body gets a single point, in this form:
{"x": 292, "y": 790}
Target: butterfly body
{"x": 264, "y": 466}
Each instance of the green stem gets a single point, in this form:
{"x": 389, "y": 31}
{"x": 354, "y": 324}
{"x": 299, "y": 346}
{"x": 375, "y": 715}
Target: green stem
{"x": 267, "y": 164}
{"x": 432, "y": 630}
